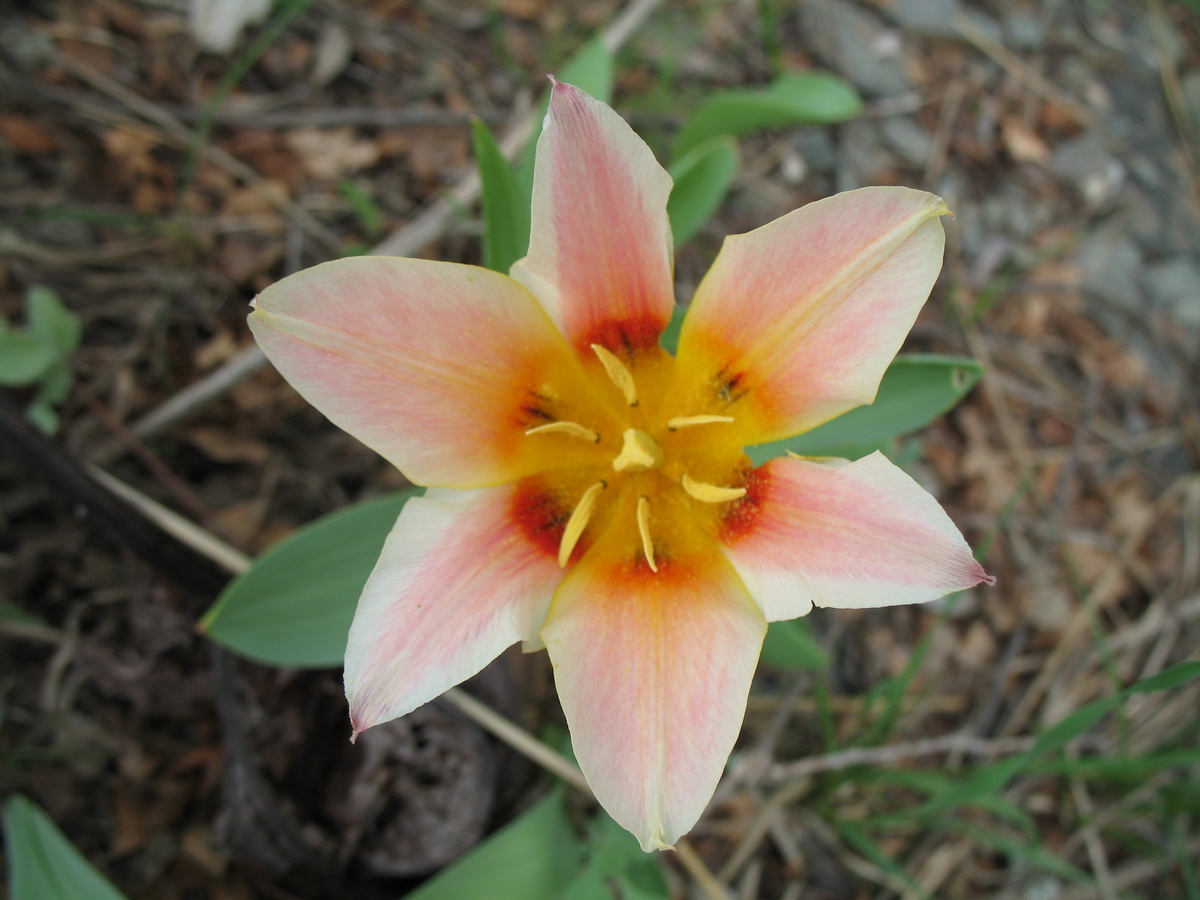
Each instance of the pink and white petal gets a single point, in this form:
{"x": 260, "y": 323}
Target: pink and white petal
{"x": 428, "y": 363}
{"x": 653, "y": 672}
{"x": 847, "y": 535}
{"x": 457, "y": 583}
{"x": 600, "y": 250}
{"x": 798, "y": 320}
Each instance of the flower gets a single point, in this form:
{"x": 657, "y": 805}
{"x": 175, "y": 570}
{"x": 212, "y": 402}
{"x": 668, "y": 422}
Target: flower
{"x": 587, "y": 491}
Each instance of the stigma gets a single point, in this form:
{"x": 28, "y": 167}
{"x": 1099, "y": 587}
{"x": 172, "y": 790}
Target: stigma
{"x": 635, "y": 497}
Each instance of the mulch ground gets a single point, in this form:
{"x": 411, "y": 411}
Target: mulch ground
{"x": 1062, "y": 135}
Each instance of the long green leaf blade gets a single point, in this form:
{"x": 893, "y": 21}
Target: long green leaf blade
{"x": 42, "y": 863}
{"x": 790, "y": 645}
{"x": 797, "y": 98}
{"x": 702, "y": 178}
{"x": 505, "y": 206}
{"x": 915, "y": 390}
{"x": 532, "y": 858}
{"x": 24, "y": 357}
{"x": 294, "y": 606}
{"x": 591, "y": 70}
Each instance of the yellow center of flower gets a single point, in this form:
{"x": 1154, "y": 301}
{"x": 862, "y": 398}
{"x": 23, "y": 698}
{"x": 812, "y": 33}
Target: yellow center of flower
{"x": 628, "y": 466}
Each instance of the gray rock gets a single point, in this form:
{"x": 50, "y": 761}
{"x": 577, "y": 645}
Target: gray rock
{"x": 1191, "y": 94}
{"x": 983, "y": 23}
{"x": 910, "y": 141}
{"x": 815, "y": 146}
{"x": 1175, "y": 284}
{"x": 933, "y": 18}
{"x": 1086, "y": 164}
{"x": 863, "y": 156}
{"x": 1110, "y": 262}
{"x": 1023, "y": 29}
{"x": 1010, "y": 210}
{"x": 857, "y": 45}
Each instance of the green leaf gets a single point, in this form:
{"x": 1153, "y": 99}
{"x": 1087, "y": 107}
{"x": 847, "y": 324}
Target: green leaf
{"x": 790, "y": 645}
{"x": 47, "y": 317}
{"x": 860, "y": 841}
{"x": 533, "y": 858}
{"x": 702, "y": 178}
{"x": 42, "y": 863}
{"x": 948, "y": 794}
{"x": 294, "y": 605}
{"x": 1026, "y": 851}
{"x": 591, "y": 70}
{"x": 1053, "y": 739}
{"x": 915, "y": 390}
{"x": 1119, "y": 768}
{"x": 10, "y": 612}
{"x": 55, "y": 383}
{"x": 1174, "y": 677}
{"x": 370, "y": 216}
{"x": 24, "y": 356}
{"x": 505, "y": 206}
{"x": 798, "y": 98}
{"x": 669, "y": 339}
{"x": 42, "y": 415}
{"x": 616, "y": 861}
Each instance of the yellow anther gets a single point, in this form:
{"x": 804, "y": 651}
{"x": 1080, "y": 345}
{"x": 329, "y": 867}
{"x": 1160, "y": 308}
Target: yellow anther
{"x": 643, "y": 520}
{"x": 572, "y": 428}
{"x": 640, "y": 453}
{"x": 689, "y": 421}
{"x": 620, "y": 375}
{"x": 578, "y": 521}
{"x": 710, "y": 493}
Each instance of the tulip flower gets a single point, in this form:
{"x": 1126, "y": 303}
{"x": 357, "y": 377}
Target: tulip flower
{"x": 588, "y": 492}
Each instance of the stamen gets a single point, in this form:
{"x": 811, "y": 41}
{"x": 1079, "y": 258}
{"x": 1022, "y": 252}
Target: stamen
{"x": 572, "y": 428}
{"x": 620, "y": 375}
{"x": 710, "y": 493}
{"x": 689, "y": 421}
{"x": 578, "y": 521}
{"x": 639, "y": 453}
{"x": 643, "y": 520}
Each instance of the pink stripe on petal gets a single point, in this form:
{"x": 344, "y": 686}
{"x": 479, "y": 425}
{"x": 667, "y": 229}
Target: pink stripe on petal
{"x": 428, "y": 363}
{"x": 653, "y": 673}
{"x": 456, "y": 584}
{"x": 804, "y": 314}
{"x": 846, "y": 535}
{"x": 600, "y": 249}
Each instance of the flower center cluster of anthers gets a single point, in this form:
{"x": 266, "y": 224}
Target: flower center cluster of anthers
{"x": 632, "y": 439}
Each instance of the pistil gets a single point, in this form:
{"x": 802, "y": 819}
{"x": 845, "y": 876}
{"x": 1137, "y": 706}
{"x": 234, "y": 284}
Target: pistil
{"x": 640, "y": 453}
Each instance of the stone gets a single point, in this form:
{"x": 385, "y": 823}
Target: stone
{"x": 856, "y": 45}
{"x": 863, "y": 157}
{"x": 1109, "y": 262}
{"x": 1174, "y": 283}
{"x": 932, "y": 18}
{"x": 908, "y": 139}
{"x": 1022, "y": 30}
{"x": 815, "y": 146}
{"x": 1086, "y": 164}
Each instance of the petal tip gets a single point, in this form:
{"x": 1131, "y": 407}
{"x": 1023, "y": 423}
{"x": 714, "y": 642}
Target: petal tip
{"x": 653, "y": 839}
